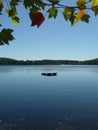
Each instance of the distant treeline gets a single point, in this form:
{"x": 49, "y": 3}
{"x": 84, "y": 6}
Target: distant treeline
{"x": 8, "y": 61}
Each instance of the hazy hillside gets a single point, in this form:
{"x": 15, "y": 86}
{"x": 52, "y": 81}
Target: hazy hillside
{"x": 7, "y": 61}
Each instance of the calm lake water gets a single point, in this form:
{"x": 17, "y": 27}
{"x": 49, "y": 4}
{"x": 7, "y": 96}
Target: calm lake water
{"x": 30, "y": 101}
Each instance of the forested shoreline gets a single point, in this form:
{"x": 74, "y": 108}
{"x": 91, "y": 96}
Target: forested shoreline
{"x": 9, "y": 61}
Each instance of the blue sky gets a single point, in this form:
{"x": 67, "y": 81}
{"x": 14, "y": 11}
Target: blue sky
{"x": 54, "y": 39}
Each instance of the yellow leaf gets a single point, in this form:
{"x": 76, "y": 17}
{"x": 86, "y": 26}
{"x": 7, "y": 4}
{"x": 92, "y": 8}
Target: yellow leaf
{"x": 95, "y": 2}
{"x": 79, "y": 15}
{"x": 14, "y": 21}
{"x": 7, "y": 11}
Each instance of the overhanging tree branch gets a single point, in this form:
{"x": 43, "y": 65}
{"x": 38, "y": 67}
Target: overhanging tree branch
{"x": 74, "y": 13}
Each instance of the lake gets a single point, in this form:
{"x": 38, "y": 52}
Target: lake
{"x": 30, "y": 101}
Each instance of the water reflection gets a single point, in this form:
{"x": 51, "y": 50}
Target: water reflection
{"x": 68, "y": 101}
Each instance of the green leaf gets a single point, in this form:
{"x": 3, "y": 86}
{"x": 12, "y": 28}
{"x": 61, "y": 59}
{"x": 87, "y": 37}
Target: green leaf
{"x": 95, "y": 9}
{"x": 11, "y": 12}
{"x": 42, "y": 5}
{"x": 69, "y": 14}
{"x": 34, "y": 9}
{"x": 28, "y": 3}
{"x": 81, "y": 4}
{"x": 52, "y": 12}
{"x": 85, "y": 18}
{"x": 39, "y": 3}
{"x": 6, "y": 36}
{"x": 54, "y": 1}
{"x": 14, "y": 3}
{"x": 1, "y": 7}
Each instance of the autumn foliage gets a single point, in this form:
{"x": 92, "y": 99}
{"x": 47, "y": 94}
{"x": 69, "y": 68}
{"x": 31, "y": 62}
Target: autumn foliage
{"x": 36, "y": 8}
{"x": 37, "y": 19}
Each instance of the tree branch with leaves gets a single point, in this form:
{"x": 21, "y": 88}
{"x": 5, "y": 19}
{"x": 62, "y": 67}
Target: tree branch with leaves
{"x": 79, "y": 11}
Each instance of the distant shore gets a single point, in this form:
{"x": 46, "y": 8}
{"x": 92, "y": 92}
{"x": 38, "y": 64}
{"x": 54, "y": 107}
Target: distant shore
{"x": 9, "y": 61}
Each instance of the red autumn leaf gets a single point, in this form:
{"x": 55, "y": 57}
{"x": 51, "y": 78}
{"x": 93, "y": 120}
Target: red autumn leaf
{"x": 37, "y": 19}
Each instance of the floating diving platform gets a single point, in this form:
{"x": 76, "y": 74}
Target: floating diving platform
{"x": 49, "y": 74}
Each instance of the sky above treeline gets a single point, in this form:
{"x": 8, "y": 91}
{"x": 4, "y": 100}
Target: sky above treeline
{"x": 54, "y": 39}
